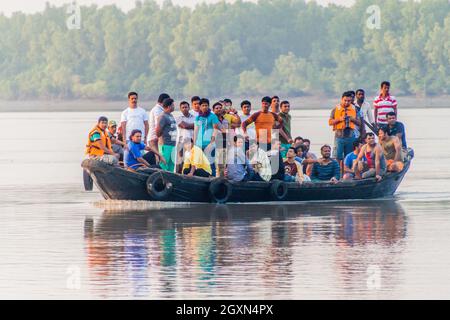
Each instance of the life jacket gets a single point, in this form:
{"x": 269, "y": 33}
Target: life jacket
{"x": 341, "y": 112}
{"x": 93, "y": 148}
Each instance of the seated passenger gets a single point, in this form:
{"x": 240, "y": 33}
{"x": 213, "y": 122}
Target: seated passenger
{"x": 309, "y": 158}
{"x": 133, "y": 158}
{"x": 293, "y": 169}
{"x": 276, "y": 161}
{"x": 117, "y": 145}
{"x": 350, "y": 161}
{"x": 326, "y": 169}
{"x": 238, "y": 166}
{"x": 370, "y": 161}
{"x": 392, "y": 149}
{"x": 99, "y": 143}
{"x": 260, "y": 163}
{"x": 195, "y": 161}
{"x": 396, "y": 128}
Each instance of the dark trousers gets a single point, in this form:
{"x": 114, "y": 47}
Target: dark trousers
{"x": 197, "y": 173}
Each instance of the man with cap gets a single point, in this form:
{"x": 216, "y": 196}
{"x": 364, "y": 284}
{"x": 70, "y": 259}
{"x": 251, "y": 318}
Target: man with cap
{"x": 117, "y": 145}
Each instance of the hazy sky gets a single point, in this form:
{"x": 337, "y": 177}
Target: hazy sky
{"x": 29, "y": 6}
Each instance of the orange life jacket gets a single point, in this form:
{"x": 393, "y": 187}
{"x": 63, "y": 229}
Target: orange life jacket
{"x": 93, "y": 148}
{"x": 341, "y": 112}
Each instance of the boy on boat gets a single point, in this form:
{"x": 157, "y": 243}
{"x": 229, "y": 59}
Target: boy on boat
{"x": 350, "y": 161}
{"x": 117, "y": 145}
{"x": 185, "y": 132}
{"x": 293, "y": 168}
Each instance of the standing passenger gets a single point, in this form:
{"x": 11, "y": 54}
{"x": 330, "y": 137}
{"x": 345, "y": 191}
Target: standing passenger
{"x": 185, "y": 123}
{"x": 166, "y": 131}
{"x": 384, "y": 103}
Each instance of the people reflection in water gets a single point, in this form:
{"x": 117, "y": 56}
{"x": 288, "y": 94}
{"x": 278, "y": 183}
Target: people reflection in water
{"x": 166, "y": 252}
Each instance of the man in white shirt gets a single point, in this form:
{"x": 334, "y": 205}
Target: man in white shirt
{"x": 133, "y": 118}
{"x": 155, "y": 112}
{"x": 246, "y": 108}
{"x": 185, "y": 132}
{"x": 364, "y": 109}
{"x": 195, "y": 101}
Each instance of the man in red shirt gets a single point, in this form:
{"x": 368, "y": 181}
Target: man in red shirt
{"x": 383, "y": 104}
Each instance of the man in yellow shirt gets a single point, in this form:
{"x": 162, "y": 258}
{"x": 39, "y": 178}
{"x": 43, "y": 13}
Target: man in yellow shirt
{"x": 195, "y": 161}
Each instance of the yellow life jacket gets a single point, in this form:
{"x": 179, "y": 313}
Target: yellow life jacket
{"x": 341, "y": 112}
{"x": 93, "y": 148}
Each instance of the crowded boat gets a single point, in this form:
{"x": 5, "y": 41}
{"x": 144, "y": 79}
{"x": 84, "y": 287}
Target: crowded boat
{"x": 214, "y": 140}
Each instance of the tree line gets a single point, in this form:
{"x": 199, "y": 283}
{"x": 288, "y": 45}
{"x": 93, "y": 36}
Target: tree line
{"x": 287, "y": 47}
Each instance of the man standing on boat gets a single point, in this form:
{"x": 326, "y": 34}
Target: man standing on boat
{"x": 133, "y": 118}
{"x": 246, "y": 107}
{"x": 364, "y": 109}
{"x": 344, "y": 120}
{"x": 195, "y": 102}
{"x": 206, "y": 126}
{"x": 285, "y": 130}
{"x": 166, "y": 131}
{"x": 156, "y": 111}
{"x": 384, "y": 103}
{"x": 264, "y": 121}
{"x": 185, "y": 123}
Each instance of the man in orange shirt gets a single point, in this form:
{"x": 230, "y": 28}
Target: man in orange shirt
{"x": 264, "y": 121}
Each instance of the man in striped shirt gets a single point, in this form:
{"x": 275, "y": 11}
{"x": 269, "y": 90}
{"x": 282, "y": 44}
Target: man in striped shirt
{"x": 383, "y": 104}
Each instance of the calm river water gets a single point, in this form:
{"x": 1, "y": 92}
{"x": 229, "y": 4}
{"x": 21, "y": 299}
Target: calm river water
{"x": 58, "y": 241}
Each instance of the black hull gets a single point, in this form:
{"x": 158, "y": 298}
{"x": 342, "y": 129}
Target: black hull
{"x": 119, "y": 184}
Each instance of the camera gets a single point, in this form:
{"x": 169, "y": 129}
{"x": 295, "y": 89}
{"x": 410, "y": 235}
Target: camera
{"x": 347, "y": 121}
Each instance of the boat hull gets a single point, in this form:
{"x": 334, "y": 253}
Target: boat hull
{"x": 120, "y": 184}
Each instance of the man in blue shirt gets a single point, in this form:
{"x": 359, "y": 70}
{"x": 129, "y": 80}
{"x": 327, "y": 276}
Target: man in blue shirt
{"x": 396, "y": 128}
{"x": 326, "y": 169}
{"x": 133, "y": 158}
{"x": 349, "y": 161}
{"x": 238, "y": 166}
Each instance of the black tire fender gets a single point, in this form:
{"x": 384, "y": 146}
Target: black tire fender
{"x": 158, "y": 187}
{"x": 278, "y": 190}
{"x": 220, "y": 190}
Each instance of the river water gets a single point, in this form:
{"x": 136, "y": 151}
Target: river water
{"x": 58, "y": 241}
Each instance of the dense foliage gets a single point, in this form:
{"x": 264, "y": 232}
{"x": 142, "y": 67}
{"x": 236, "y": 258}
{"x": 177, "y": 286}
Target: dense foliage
{"x": 275, "y": 46}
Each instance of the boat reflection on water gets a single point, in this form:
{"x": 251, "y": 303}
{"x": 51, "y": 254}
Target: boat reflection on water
{"x": 262, "y": 251}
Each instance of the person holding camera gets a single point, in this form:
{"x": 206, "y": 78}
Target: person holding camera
{"x": 344, "y": 121}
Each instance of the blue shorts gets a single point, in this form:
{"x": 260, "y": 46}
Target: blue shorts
{"x": 343, "y": 147}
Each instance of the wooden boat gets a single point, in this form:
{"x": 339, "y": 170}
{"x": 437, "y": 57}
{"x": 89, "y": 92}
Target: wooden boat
{"x": 156, "y": 185}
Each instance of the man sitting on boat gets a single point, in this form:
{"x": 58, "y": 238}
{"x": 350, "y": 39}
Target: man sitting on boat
{"x": 370, "y": 161}
{"x": 117, "y": 145}
{"x": 396, "y": 128}
{"x": 326, "y": 169}
{"x": 293, "y": 168}
{"x": 134, "y": 159}
{"x": 238, "y": 166}
{"x": 392, "y": 149}
{"x": 195, "y": 163}
{"x": 99, "y": 143}
{"x": 350, "y": 161}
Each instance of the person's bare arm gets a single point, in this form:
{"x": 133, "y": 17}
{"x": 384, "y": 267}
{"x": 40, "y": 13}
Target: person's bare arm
{"x": 104, "y": 148}
{"x": 195, "y": 133}
{"x": 146, "y": 129}
{"x": 156, "y": 152}
{"x": 124, "y": 131}
{"x": 378, "y": 152}
{"x": 142, "y": 160}
{"x": 398, "y": 149}
{"x": 185, "y": 125}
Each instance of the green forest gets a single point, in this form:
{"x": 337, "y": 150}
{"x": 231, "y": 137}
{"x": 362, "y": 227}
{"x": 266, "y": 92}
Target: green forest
{"x": 285, "y": 47}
